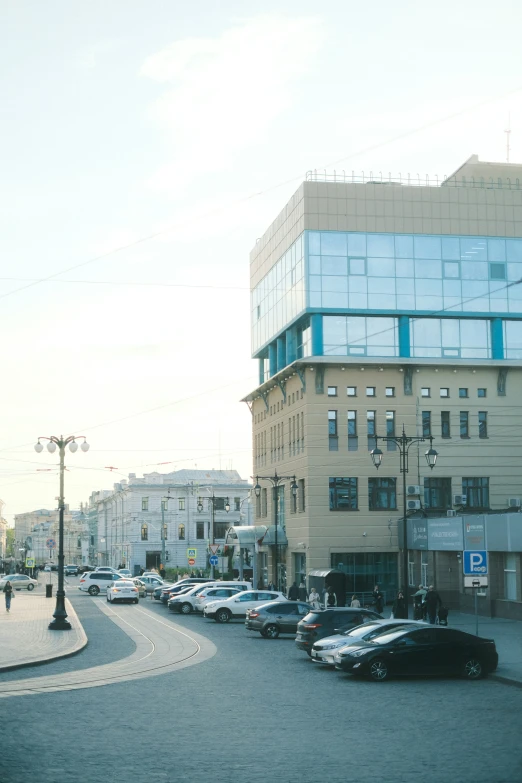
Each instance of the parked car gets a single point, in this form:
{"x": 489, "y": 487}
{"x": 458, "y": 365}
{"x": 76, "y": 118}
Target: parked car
{"x": 18, "y": 582}
{"x": 47, "y": 569}
{"x": 122, "y": 590}
{"x": 167, "y": 592}
{"x": 96, "y": 582}
{"x": 319, "y": 623}
{"x": 186, "y": 603}
{"x": 71, "y": 570}
{"x": 151, "y": 582}
{"x": 276, "y": 617}
{"x": 142, "y": 587}
{"x": 325, "y": 650}
{"x": 215, "y": 592}
{"x": 236, "y": 606}
{"x": 125, "y": 573}
{"x": 415, "y": 651}
{"x": 84, "y": 568}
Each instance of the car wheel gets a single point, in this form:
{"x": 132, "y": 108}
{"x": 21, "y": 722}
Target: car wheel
{"x": 30, "y": 587}
{"x": 271, "y": 631}
{"x": 185, "y": 608}
{"x": 379, "y": 670}
{"x": 473, "y": 669}
{"x": 93, "y": 590}
{"x": 136, "y": 600}
{"x": 107, "y": 599}
{"x": 223, "y": 616}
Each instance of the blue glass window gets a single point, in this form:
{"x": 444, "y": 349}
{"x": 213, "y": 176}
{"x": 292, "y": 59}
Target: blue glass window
{"x": 427, "y": 247}
{"x": 314, "y": 243}
{"x": 333, "y": 243}
{"x": 450, "y": 248}
{"x": 473, "y": 248}
{"x": 496, "y": 249}
{"x": 356, "y": 244}
{"x": 514, "y": 249}
{"x": 357, "y": 266}
{"x": 380, "y": 245}
{"x": 403, "y": 246}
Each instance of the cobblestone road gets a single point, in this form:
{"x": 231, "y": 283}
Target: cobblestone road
{"x": 256, "y": 711}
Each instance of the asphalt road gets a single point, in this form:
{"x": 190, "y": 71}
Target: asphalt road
{"x": 258, "y": 710}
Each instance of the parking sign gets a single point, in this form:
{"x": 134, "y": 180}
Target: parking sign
{"x": 475, "y": 563}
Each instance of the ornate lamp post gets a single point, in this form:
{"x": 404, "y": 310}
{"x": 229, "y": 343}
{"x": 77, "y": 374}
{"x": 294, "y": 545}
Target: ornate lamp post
{"x": 276, "y": 480}
{"x": 404, "y": 442}
{"x": 60, "y": 622}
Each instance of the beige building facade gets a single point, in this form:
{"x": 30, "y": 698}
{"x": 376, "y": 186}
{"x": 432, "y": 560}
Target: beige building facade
{"x": 378, "y": 306}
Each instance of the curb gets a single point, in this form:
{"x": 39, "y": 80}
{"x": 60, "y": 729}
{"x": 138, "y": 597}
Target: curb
{"x": 505, "y": 680}
{"x": 81, "y": 642}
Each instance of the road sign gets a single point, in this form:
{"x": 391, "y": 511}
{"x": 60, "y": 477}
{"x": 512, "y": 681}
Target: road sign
{"x": 475, "y": 581}
{"x": 191, "y": 561}
{"x": 475, "y": 563}
{"x": 213, "y": 560}
{"x": 29, "y": 562}
{"x": 214, "y": 548}
{"x": 50, "y": 543}
{"x": 192, "y": 553}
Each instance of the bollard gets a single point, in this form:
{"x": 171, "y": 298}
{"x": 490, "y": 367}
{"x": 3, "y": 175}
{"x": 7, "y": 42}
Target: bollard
{"x": 48, "y": 591}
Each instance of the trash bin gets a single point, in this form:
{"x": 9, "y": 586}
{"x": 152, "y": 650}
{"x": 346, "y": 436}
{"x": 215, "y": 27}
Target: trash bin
{"x": 48, "y": 591}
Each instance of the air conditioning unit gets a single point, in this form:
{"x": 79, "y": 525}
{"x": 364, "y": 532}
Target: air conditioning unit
{"x": 514, "y": 502}
{"x": 413, "y": 505}
{"x": 451, "y": 512}
{"x": 413, "y": 489}
{"x": 459, "y": 500}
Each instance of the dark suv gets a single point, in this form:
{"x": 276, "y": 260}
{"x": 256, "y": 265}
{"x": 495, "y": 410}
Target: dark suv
{"x": 324, "y": 622}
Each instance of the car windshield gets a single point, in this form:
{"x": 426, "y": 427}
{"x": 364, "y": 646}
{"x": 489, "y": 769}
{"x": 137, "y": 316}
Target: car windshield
{"x": 391, "y": 636}
{"x": 361, "y": 630}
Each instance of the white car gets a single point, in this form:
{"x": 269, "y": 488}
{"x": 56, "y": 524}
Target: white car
{"x": 236, "y": 606}
{"x": 106, "y": 570}
{"x": 211, "y": 594}
{"x": 186, "y": 603}
{"x": 122, "y": 590}
{"x": 125, "y": 573}
{"x": 95, "y": 582}
{"x": 325, "y": 650}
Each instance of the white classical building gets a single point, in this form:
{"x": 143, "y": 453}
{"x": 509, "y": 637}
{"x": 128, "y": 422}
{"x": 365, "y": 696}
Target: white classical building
{"x": 130, "y": 519}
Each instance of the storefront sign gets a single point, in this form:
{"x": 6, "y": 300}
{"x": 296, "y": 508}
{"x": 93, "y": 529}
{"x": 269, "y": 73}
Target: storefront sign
{"x": 474, "y": 532}
{"x": 445, "y": 534}
{"x": 417, "y": 533}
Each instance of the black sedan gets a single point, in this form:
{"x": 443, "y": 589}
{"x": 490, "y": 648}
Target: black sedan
{"x": 433, "y": 650}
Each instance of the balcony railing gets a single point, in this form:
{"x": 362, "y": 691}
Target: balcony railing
{"x": 413, "y": 180}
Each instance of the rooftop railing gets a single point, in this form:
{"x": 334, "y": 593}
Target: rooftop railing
{"x": 413, "y": 180}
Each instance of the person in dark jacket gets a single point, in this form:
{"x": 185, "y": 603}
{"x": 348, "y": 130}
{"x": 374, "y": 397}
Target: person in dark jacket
{"x": 432, "y": 604}
{"x": 293, "y": 592}
{"x": 302, "y": 591}
{"x": 8, "y": 591}
{"x": 378, "y": 599}
{"x": 400, "y": 610}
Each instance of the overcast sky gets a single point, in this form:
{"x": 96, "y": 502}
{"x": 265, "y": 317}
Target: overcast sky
{"x": 188, "y": 126}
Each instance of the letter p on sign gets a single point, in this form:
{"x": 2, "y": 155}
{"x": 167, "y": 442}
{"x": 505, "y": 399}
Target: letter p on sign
{"x": 475, "y": 563}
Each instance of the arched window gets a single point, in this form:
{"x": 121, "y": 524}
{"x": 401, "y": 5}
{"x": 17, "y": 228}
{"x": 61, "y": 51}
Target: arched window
{"x": 144, "y": 532}
{"x": 181, "y": 532}
{"x": 165, "y": 531}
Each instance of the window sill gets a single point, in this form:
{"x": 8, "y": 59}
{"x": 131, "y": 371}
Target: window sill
{"x": 342, "y": 510}
{"x": 465, "y": 437}
{"x": 390, "y": 508}
{"x": 446, "y": 437}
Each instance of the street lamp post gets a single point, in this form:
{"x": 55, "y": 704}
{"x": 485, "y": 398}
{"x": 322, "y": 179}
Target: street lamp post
{"x": 276, "y": 480}
{"x": 404, "y": 442}
{"x": 212, "y": 500}
{"x": 60, "y": 622}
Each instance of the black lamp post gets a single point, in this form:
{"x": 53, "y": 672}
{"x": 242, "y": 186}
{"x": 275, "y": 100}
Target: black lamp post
{"x": 276, "y": 481}
{"x": 212, "y": 500}
{"x": 404, "y": 442}
{"x": 60, "y": 622}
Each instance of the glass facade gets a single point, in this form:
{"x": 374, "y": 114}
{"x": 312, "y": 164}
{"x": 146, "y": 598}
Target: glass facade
{"x": 360, "y": 336}
{"x": 450, "y": 338}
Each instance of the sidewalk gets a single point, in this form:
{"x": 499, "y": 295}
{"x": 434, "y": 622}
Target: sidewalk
{"x": 26, "y": 638}
{"x": 508, "y": 639}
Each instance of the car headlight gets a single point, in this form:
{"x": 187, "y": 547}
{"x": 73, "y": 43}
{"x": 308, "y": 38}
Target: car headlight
{"x": 209, "y": 606}
{"x": 356, "y": 653}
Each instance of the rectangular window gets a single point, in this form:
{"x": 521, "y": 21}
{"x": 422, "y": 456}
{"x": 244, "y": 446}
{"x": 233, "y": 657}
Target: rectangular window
{"x": 351, "y": 391}
{"x": 237, "y": 504}
{"x": 390, "y": 391}
{"x": 437, "y": 493}
{"x": 200, "y": 530}
{"x": 264, "y": 502}
{"x": 464, "y": 424}
{"x": 390, "y": 430}
{"x": 411, "y": 574}
{"x": 301, "y": 505}
{"x": 144, "y": 504}
{"x": 481, "y": 392}
{"x": 483, "y": 424}
{"x": 382, "y": 494}
{"x": 333, "y": 440}
{"x": 352, "y": 424}
{"x": 426, "y": 424}
{"x": 370, "y": 391}
{"x": 343, "y": 494}
{"x": 477, "y": 492}
{"x": 164, "y": 504}
{"x": 463, "y": 392}
{"x": 510, "y": 576}
{"x": 444, "y": 392}
{"x": 370, "y": 430}
{"x": 332, "y": 391}
{"x": 445, "y": 429}
{"x": 425, "y": 392}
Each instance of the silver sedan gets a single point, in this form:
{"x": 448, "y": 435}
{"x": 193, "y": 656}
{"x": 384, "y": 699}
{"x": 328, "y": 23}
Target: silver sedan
{"x": 19, "y": 582}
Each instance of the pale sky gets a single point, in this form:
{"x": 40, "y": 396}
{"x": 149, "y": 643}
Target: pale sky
{"x": 196, "y": 122}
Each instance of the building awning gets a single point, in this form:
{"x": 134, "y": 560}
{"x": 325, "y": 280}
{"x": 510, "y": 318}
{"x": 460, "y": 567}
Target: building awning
{"x": 322, "y": 572}
{"x": 248, "y": 535}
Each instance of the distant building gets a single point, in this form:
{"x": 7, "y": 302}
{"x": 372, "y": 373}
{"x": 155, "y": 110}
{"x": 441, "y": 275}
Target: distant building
{"x": 33, "y": 530}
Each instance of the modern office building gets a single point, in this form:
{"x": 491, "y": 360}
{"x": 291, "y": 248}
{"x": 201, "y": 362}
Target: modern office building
{"x": 378, "y": 305}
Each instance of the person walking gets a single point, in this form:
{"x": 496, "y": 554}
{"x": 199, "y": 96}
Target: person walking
{"x": 356, "y": 604}
{"x": 432, "y": 604}
{"x": 302, "y": 591}
{"x": 419, "y": 604}
{"x": 293, "y": 592}
{"x": 378, "y": 599}
{"x": 8, "y": 592}
{"x": 400, "y": 610}
{"x": 331, "y": 599}
{"x": 314, "y": 598}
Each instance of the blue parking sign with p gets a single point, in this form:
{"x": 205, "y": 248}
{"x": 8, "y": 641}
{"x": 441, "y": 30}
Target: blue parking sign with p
{"x": 475, "y": 563}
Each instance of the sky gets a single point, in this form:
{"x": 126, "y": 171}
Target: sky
{"x": 144, "y": 148}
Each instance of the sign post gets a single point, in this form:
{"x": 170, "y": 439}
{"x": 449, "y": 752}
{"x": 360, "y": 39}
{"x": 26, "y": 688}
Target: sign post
{"x": 476, "y": 585}
{"x": 475, "y": 566}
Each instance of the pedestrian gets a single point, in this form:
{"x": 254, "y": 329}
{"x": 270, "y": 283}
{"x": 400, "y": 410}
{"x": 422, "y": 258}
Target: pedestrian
{"x": 162, "y": 573}
{"x": 331, "y": 599}
{"x": 356, "y": 604}
{"x": 314, "y": 598}
{"x": 400, "y": 610}
{"x": 259, "y": 584}
{"x": 293, "y": 592}
{"x": 9, "y": 593}
{"x": 378, "y": 599}
{"x": 419, "y": 604}
{"x": 142, "y": 571}
{"x": 302, "y": 591}
{"x": 432, "y": 604}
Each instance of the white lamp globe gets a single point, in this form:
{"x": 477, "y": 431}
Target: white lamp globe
{"x": 73, "y": 446}
{"x": 38, "y": 447}
{"x": 51, "y": 447}
{"x": 85, "y": 446}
